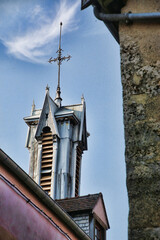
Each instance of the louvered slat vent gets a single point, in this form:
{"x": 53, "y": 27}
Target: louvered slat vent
{"x": 78, "y": 165}
{"x": 46, "y": 162}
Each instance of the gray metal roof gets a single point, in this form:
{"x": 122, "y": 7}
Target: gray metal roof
{"x": 75, "y": 112}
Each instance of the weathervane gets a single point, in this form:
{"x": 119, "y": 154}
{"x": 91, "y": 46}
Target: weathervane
{"x": 59, "y": 61}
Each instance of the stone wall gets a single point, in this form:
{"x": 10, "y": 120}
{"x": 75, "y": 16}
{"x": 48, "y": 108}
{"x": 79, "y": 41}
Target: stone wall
{"x": 140, "y": 70}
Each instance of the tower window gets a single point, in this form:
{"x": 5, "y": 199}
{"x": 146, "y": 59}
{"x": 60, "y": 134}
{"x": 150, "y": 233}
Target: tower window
{"x": 47, "y": 158}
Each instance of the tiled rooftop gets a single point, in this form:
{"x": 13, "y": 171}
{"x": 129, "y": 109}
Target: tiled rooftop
{"x": 79, "y": 203}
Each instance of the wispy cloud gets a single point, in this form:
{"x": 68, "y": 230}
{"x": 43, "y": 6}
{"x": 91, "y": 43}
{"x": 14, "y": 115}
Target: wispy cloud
{"x": 35, "y": 43}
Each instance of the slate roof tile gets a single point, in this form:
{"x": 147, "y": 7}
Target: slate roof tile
{"x": 83, "y": 203}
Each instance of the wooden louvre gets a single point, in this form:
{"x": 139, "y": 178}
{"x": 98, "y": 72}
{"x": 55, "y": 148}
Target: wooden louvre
{"x": 46, "y": 162}
{"x": 78, "y": 166}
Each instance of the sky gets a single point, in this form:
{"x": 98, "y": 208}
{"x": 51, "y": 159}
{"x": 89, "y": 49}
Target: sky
{"x": 29, "y": 33}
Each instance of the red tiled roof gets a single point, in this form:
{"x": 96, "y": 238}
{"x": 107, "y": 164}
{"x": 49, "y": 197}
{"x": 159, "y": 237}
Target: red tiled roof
{"x": 79, "y": 203}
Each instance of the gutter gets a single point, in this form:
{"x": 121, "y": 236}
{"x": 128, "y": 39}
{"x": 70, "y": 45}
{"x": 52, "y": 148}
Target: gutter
{"x": 49, "y": 202}
{"x": 126, "y": 17}
{"x": 14, "y": 188}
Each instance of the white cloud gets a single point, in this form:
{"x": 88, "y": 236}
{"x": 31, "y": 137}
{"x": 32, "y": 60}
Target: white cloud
{"x": 36, "y": 42}
{"x": 37, "y": 10}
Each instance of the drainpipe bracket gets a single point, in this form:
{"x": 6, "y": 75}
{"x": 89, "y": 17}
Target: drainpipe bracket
{"x": 128, "y": 21}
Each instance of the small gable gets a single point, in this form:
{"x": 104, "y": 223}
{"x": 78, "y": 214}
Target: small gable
{"x": 99, "y": 213}
{"x": 47, "y": 117}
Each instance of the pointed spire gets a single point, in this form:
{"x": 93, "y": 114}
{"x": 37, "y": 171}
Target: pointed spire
{"x": 59, "y": 61}
{"x": 82, "y": 99}
{"x": 33, "y": 107}
{"x": 47, "y": 88}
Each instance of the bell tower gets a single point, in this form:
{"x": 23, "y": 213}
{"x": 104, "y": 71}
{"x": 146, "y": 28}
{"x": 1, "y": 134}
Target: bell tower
{"x": 56, "y": 139}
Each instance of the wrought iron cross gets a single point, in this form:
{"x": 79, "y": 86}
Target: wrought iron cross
{"x": 59, "y": 58}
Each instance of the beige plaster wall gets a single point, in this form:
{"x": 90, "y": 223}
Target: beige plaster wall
{"x": 140, "y": 71}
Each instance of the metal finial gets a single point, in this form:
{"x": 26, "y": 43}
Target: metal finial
{"x": 82, "y": 98}
{"x": 47, "y": 88}
{"x": 33, "y": 104}
{"x": 33, "y": 107}
{"x": 59, "y": 61}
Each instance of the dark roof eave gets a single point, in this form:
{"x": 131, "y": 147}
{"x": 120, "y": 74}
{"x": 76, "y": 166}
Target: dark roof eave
{"x": 101, "y": 6}
{"x": 113, "y": 6}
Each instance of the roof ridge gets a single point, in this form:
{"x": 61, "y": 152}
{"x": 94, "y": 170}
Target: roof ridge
{"x": 89, "y": 195}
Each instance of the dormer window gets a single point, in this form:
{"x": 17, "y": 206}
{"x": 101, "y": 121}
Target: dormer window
{"x": 99, "y": 232}
{"x": 89, "y": 213}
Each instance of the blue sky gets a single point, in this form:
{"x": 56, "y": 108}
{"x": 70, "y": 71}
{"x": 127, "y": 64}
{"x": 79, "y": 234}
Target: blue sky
{"x": 29, "y": 32}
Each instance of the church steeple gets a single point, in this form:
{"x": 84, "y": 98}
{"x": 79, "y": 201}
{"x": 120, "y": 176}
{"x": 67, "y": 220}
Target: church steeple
{"x": 56, "y": 139}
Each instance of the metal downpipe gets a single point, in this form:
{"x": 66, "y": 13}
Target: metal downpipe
{"x": 126, "y": 17}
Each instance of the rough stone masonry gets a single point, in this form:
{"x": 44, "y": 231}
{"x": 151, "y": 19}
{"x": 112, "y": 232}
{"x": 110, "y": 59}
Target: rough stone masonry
{"x": 140, "y": 70}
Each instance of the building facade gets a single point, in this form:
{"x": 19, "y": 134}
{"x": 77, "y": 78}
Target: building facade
{"x": 27, "y": 212}
{"x": 140, "y": 74}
